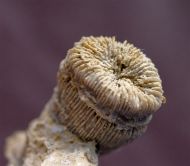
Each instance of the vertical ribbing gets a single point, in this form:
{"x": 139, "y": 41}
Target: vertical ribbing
{"x": 105, "y": 88}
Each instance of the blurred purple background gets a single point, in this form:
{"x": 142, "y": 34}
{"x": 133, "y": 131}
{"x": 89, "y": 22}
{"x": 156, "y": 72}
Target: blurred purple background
{"x": 35, "y": 35}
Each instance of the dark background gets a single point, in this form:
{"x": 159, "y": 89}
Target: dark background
{"x": 36, "y": 34}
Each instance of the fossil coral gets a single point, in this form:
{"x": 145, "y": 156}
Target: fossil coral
{"x": 107, "y": 92}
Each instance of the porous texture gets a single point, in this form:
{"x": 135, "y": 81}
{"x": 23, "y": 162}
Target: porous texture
{"x": 47, "y": 143}
{"x": 107, "y": 91}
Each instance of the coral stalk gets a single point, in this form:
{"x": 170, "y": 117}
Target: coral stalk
{"x": 106, "y": 94}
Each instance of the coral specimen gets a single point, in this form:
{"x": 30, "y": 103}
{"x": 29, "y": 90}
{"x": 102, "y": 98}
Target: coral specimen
{"x": 107, "y": 91}
{"x": 106, "y": 94}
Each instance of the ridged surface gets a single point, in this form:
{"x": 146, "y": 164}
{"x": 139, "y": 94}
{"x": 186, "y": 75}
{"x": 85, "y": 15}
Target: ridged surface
{"x": 107, "y": 91}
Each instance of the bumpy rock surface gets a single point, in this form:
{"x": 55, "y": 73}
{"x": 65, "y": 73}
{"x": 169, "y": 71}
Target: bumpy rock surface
{"x": 47, "y": 143}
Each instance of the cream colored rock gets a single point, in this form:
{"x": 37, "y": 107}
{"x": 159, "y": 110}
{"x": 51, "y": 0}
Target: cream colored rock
{"x": 47, "y": 143}
{"x": 60, "y": 158}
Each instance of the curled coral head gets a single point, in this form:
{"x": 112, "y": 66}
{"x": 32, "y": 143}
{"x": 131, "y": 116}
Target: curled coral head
{"x": 107, "y": 91}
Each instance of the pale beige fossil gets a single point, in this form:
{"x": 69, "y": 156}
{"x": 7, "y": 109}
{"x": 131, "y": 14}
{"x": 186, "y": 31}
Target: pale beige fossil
{"x": 106, "y": 94}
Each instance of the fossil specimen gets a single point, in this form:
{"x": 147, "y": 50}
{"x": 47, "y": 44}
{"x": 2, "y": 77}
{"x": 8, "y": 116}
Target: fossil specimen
{"x": 107, "y": 92}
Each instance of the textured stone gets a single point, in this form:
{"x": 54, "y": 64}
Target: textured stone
{"x": 48, "y": 143}
{"x": 106, "y": 95}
